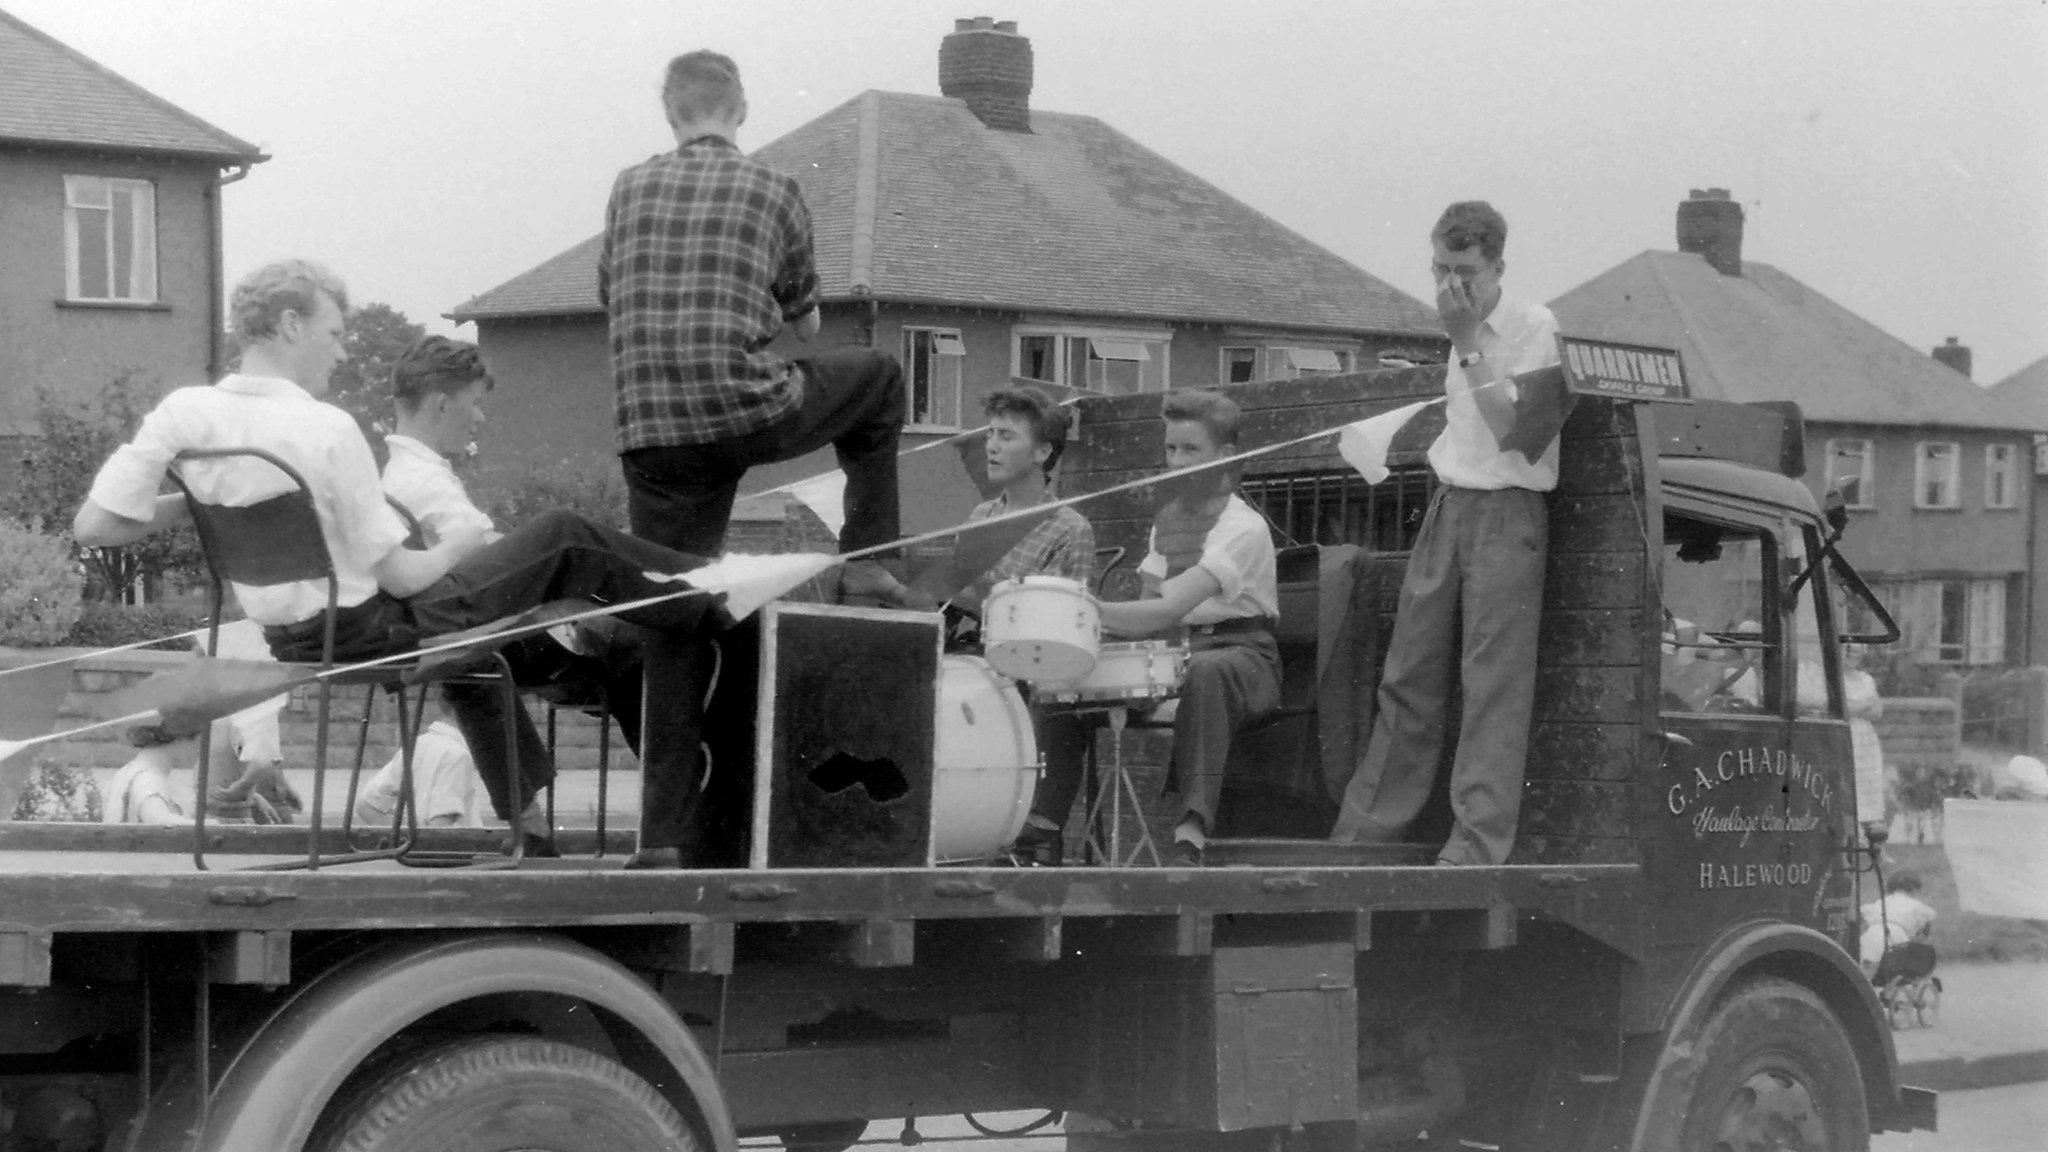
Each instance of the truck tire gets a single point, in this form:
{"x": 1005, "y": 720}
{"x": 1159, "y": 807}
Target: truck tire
{"x": 1770, "y": 1069}
{"x": 506, "y": 1093}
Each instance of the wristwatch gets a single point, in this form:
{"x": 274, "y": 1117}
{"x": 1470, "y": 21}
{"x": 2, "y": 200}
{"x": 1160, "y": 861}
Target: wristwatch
{"x": 1470, "y": 358}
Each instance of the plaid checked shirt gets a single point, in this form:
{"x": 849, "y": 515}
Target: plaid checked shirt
{"x": 706, "y": 254}
{"x": 1062, "y": 544}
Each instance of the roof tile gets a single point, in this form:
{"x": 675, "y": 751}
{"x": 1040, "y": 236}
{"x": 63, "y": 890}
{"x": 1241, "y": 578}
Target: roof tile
{"x": 1072, "y": 217}
{"x": 51, "y": 94}
{"x": 1764, "y": 335}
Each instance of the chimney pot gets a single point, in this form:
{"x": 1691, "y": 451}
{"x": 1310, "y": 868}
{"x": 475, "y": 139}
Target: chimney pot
{"x": 1710, "y": 225}
{"x": 1955, "y": 354}
{"x": 987, "y": 65}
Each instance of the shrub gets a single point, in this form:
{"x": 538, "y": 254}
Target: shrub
{"x": 40, "y": 587}
{"x": 513, "y": 495}
{"x": 103, "y": 625}
{"x": 57, "y": 792}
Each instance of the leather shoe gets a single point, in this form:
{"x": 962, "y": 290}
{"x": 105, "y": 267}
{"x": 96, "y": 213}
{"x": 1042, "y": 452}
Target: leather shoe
{"x": 868, "y": 583}
{"x": 1038, "y": 847}
{"x": 647, "y": 858}
{"x": 1186, "y": 854}
{"x": 537, "y": 847}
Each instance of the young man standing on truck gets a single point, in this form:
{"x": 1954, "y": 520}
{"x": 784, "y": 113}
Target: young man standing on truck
{"x": 707, "y": 257}
{"x": 289, "y": 318}
{"x": 1212, "y": 570}
{"x": 1475, "y": 576}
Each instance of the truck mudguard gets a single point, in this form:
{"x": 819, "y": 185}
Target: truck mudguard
{"x": 273, "y": 1090}
{"x": 1803, "y": 956}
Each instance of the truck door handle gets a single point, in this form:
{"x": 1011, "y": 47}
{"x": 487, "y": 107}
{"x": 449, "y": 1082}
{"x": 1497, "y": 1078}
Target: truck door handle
{"x": 1675, "y": 738}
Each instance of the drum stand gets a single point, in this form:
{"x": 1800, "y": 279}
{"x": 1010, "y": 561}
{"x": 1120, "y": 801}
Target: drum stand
{"x": 1106, "y": 802}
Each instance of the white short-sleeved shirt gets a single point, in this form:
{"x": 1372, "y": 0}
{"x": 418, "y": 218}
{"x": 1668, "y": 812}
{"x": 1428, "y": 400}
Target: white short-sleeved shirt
{"x": 1517, "y": 336}
{"x": 131, "y": 788}
{"x": 1238, "y": 552}
{"x": 443, "y": 777}
{"x": 421, "y": 479}
{"x": 318, "y": 439}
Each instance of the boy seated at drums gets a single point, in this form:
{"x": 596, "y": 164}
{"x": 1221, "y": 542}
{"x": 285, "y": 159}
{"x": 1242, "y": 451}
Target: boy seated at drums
{"x": 1209, "y": 570}
{"x": 1027, "y": 431}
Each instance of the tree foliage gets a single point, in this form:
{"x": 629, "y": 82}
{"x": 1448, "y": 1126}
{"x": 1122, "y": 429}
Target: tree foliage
{"x": 57, "y": 471}
{"x": 374, "y": 336}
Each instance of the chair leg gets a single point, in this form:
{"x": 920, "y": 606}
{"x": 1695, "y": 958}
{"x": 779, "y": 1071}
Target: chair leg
{"x": 604, "y": 756}
{"x": 314, "y": 860}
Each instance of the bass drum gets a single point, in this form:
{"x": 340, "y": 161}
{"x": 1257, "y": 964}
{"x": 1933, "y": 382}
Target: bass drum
{"x": 985, "y": 763}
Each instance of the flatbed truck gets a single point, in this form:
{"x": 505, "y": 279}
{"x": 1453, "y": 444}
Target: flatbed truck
{"x": 1667, "y": 962}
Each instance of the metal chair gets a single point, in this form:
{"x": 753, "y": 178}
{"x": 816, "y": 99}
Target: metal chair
{"x": 278, "y": 540}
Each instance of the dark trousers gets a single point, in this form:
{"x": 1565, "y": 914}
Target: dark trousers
{"x": 554, "y": 556}
{"x": 1475, "y": 580}
{"x": 681, "y": 496}
{"x": 1232, "y": 680}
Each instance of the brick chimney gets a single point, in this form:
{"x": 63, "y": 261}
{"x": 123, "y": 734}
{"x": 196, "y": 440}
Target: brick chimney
{"x": 1955, "y": 355}
{"x": 986, "y": 63}
{"x": 1710, "y": 225}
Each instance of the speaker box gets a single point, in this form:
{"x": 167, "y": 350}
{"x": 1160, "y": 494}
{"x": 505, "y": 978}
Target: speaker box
{"x": 843, "y": 752}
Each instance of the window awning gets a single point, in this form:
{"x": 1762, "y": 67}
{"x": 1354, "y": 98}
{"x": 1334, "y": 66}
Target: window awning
{"x": 1119, "y": 350}
{"x": 947, "y": 344}
{"x": 1314, "y": 360}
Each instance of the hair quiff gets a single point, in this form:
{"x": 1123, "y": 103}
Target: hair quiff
{"x": 436, "y": 365}
{"x": 1472, "y": 222}
{"x": 265, "y": 295}
{"x": 699, "y": 85}
{"x": 1211, "y": 409}
{"x": 1047, "y": 419}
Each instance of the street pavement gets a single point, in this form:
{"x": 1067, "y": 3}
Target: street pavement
{"x": 2009, "y": 1119}
{"x": 1992, "y": 1029}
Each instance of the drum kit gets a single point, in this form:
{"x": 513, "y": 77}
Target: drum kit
{"x": 1046, "y": 631}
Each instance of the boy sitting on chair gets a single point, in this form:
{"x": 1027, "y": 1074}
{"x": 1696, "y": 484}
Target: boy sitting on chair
{"x": 290, "y": 319}
{"x": 1211, "y": 569}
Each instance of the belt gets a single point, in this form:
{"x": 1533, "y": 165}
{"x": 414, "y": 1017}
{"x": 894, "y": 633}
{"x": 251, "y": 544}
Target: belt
{"x": 1233, "y": 627}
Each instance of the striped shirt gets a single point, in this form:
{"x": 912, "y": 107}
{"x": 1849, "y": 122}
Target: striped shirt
{"x": 1062, "y": 544}
{"x": 706, "y": 254}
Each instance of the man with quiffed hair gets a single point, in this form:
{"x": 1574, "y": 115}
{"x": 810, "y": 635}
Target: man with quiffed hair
{"x": 707, "y": 257}
{"x": 1475, "y": 577}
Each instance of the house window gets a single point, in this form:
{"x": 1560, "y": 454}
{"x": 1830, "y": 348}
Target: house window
{"x": 1952, "y": 621}
{"x": 110, "y": 239}
{"x": 2001, "y": 476}
{"x": 1114, "y": 362}
{"x": 932, "y": 359}
{"x": 1239, "y": 365}
{"x": 1852, "y": 466}
{"x": 1312, "y": 361}
{"x": 1935, "y": 480}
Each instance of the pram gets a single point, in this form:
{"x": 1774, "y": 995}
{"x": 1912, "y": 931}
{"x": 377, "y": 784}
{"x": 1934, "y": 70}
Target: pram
{"x": 1906, "y": 984}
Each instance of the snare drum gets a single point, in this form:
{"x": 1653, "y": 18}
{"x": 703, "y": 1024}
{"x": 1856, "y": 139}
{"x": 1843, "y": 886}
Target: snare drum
{"x": 1148, "y": 670}
{"x": 1041, "y": 628}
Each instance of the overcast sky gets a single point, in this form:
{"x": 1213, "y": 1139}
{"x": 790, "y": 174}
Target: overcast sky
{"x": 1892, "y": 154}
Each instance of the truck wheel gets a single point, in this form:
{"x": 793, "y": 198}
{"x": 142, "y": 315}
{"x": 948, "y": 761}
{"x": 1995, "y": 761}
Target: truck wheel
{"x": 506, "y": 1093}
{"x": 1771, "y": 1069}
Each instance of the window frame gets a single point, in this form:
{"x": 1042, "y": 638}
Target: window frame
{"x": 937, "y": 333}
{"x": 1223, "y": 363}
{"x": 1064, "y": 355}
{"x": 1925, "y": 452}
{"x": 1866, "y": 475}
{"x": 2006, "y": 469}
{"x": 144, "y": 285}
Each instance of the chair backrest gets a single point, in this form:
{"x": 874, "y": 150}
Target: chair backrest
{"x": 415, "y": 532}
{"x": 273, "y": 541}
{"x": 1106, "y": 560}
